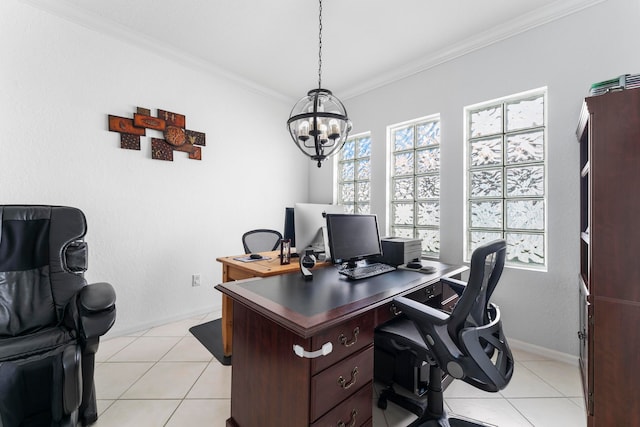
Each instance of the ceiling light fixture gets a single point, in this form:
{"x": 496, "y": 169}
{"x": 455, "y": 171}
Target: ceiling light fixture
{"x": 318, "y": 123}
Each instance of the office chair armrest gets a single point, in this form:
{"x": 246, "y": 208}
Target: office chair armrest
{"x": 420, "y": 312}
{"x": 97, "y": 307}
{"x": 458, "y": 286}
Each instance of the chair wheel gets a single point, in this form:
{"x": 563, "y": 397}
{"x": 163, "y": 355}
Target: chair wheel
{"x": 382, "y": 403}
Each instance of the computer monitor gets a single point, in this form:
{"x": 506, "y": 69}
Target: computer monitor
{"x": 289, "y": 226}
{"x": 353, "y": 238}
{"x": 311, "y": 225}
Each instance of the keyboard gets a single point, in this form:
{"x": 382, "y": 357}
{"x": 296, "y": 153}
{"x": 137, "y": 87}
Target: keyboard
{"x": 364, "y": 271}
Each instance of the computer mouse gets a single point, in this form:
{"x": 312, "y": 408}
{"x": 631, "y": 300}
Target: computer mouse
{"x": 255, "y": 256}
{"x": 414, "y": 264}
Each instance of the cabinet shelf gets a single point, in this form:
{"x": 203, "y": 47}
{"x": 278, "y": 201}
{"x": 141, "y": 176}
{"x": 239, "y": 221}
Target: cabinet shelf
{"x": 585, "y": 170}
{"x": 584, "y": 287}
{"x": 582, "y": 122}
{"x": 585, "y": 237}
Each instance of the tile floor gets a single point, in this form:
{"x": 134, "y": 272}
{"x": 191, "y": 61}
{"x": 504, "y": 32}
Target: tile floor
{"x": 164, "y": 377}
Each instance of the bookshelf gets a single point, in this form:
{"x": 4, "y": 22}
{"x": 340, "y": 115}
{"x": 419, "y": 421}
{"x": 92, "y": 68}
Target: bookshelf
{"x": 609, "y": 278}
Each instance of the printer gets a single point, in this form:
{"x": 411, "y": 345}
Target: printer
{"x": 400, "y": 250}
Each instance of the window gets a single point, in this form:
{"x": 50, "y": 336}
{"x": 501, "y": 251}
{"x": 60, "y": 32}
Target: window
{"x": 506, "y": 177}
{"x": 354, "y": 174}
{"x": 415, "y": 182}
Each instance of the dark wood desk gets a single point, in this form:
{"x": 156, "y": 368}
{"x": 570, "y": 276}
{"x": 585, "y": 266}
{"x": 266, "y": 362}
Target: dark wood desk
{"x": 272, "y": 386}
{"x": 233, "y": 269}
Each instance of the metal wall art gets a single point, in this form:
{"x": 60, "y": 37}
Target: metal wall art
{"x": 172, "y": 125}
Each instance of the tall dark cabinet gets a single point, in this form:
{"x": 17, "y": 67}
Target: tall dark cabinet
{"x": 609, "y": 279}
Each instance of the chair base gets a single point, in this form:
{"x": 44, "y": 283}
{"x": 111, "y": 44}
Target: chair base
{"x": 425, "y": 419}
{"x": 431, "y": 413}
{"x": 389, "y": 394}
{"x": 449, "y": 422}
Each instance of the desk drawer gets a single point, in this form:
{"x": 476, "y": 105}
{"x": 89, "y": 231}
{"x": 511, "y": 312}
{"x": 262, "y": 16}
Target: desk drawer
{"x": 429, "y": 295}
{"x": 353, "y": 412}
{"x": 347, "y": 338}
{"x": 340, "y": 381}
{"x": 237, "y": 274}
{"x": 386, "y": 312}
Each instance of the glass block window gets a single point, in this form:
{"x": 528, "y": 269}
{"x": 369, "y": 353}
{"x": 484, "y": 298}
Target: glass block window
{"x": 414, "y": 182}
{"x": 506, "y": 177}
{"x": 354, "y": 174}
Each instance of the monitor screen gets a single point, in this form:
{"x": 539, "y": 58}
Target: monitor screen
{"x": 289, "y": 227}
{"x": 311, "y": 225}
{"x": 353, "y": 238}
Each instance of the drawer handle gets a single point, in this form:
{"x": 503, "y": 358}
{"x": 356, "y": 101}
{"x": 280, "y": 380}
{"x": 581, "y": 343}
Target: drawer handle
{"x": 301, "y": 352}
{"x": 353, "y": 420}
{"x": 344, "y": 384}
{"x": 343, "y": 339}
{"x": 394, "y": 310}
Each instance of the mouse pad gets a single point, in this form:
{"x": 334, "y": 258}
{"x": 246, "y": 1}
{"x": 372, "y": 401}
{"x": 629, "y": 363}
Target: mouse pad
{"x": 249, "y": 259}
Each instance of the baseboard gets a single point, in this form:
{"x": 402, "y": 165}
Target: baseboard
{"x": 215, "y": 311}
{"x": 545, "y": 352}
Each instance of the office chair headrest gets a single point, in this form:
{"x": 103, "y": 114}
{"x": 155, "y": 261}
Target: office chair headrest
{"x": 76, "y": 257}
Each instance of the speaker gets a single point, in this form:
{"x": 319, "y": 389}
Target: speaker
{"x": 307, "y": 262}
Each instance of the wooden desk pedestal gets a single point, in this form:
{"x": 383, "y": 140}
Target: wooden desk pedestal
{"x": 272, "y": 386}
{"x": 232, "y": 269}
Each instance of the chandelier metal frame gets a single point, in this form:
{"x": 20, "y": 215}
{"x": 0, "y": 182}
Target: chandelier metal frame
{"x": 318, "y": 122}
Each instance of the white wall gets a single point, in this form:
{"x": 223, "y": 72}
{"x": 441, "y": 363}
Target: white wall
{"x": 152, "y": 224}
{"x": 566, "y": 56}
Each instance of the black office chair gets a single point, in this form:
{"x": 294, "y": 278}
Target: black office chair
{"x": 467, "y": 344}
{"x": 50, "y": 319}
{"x": 261, "y": 240}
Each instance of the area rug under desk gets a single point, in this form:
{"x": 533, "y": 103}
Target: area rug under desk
{"x": 210, "y": 335}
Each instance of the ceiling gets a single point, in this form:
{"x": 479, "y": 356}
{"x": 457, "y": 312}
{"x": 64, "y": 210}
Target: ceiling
{"x": 272, "y": 45}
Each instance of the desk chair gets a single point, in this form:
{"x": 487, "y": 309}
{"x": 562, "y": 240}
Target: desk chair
{"x": 50, "y": 319}
{"x": 261, "y": 240}
{"x": 467, "y": 344}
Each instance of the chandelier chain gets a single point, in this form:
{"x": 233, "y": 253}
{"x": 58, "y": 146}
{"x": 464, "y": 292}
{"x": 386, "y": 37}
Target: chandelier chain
{"x": 320, "y": 47}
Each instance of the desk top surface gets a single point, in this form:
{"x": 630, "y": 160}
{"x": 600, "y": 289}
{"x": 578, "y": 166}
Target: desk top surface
{"x": 307, "y": 307}
{"x": 267, "y": 266}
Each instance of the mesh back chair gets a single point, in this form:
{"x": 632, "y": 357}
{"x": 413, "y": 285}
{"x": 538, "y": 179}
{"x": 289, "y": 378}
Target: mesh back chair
{"x": 467, "y": 344}
{"x": 50, "y": 319}
{"x": 261, "y": 240}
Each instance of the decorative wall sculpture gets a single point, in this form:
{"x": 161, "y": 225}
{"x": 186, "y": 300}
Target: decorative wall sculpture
{"x": 172, "y": 125}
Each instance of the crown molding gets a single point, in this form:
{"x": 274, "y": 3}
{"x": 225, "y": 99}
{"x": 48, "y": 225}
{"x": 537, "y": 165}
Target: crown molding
{"x": 113, "y": 29}
{"x": 537, "y": 18}
{"x": 93, "y": 22}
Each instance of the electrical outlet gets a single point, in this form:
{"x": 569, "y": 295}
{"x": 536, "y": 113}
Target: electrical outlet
{"x": 195, "y": 280}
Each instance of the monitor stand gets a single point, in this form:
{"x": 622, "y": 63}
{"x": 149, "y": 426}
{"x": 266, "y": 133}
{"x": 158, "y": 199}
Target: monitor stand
{"x": 320, "y": 245}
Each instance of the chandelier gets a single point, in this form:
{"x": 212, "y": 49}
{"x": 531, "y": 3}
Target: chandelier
{"x": 318, "y": 123}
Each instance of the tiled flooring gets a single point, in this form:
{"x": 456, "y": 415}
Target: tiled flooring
{"x": 165, "y": 377}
